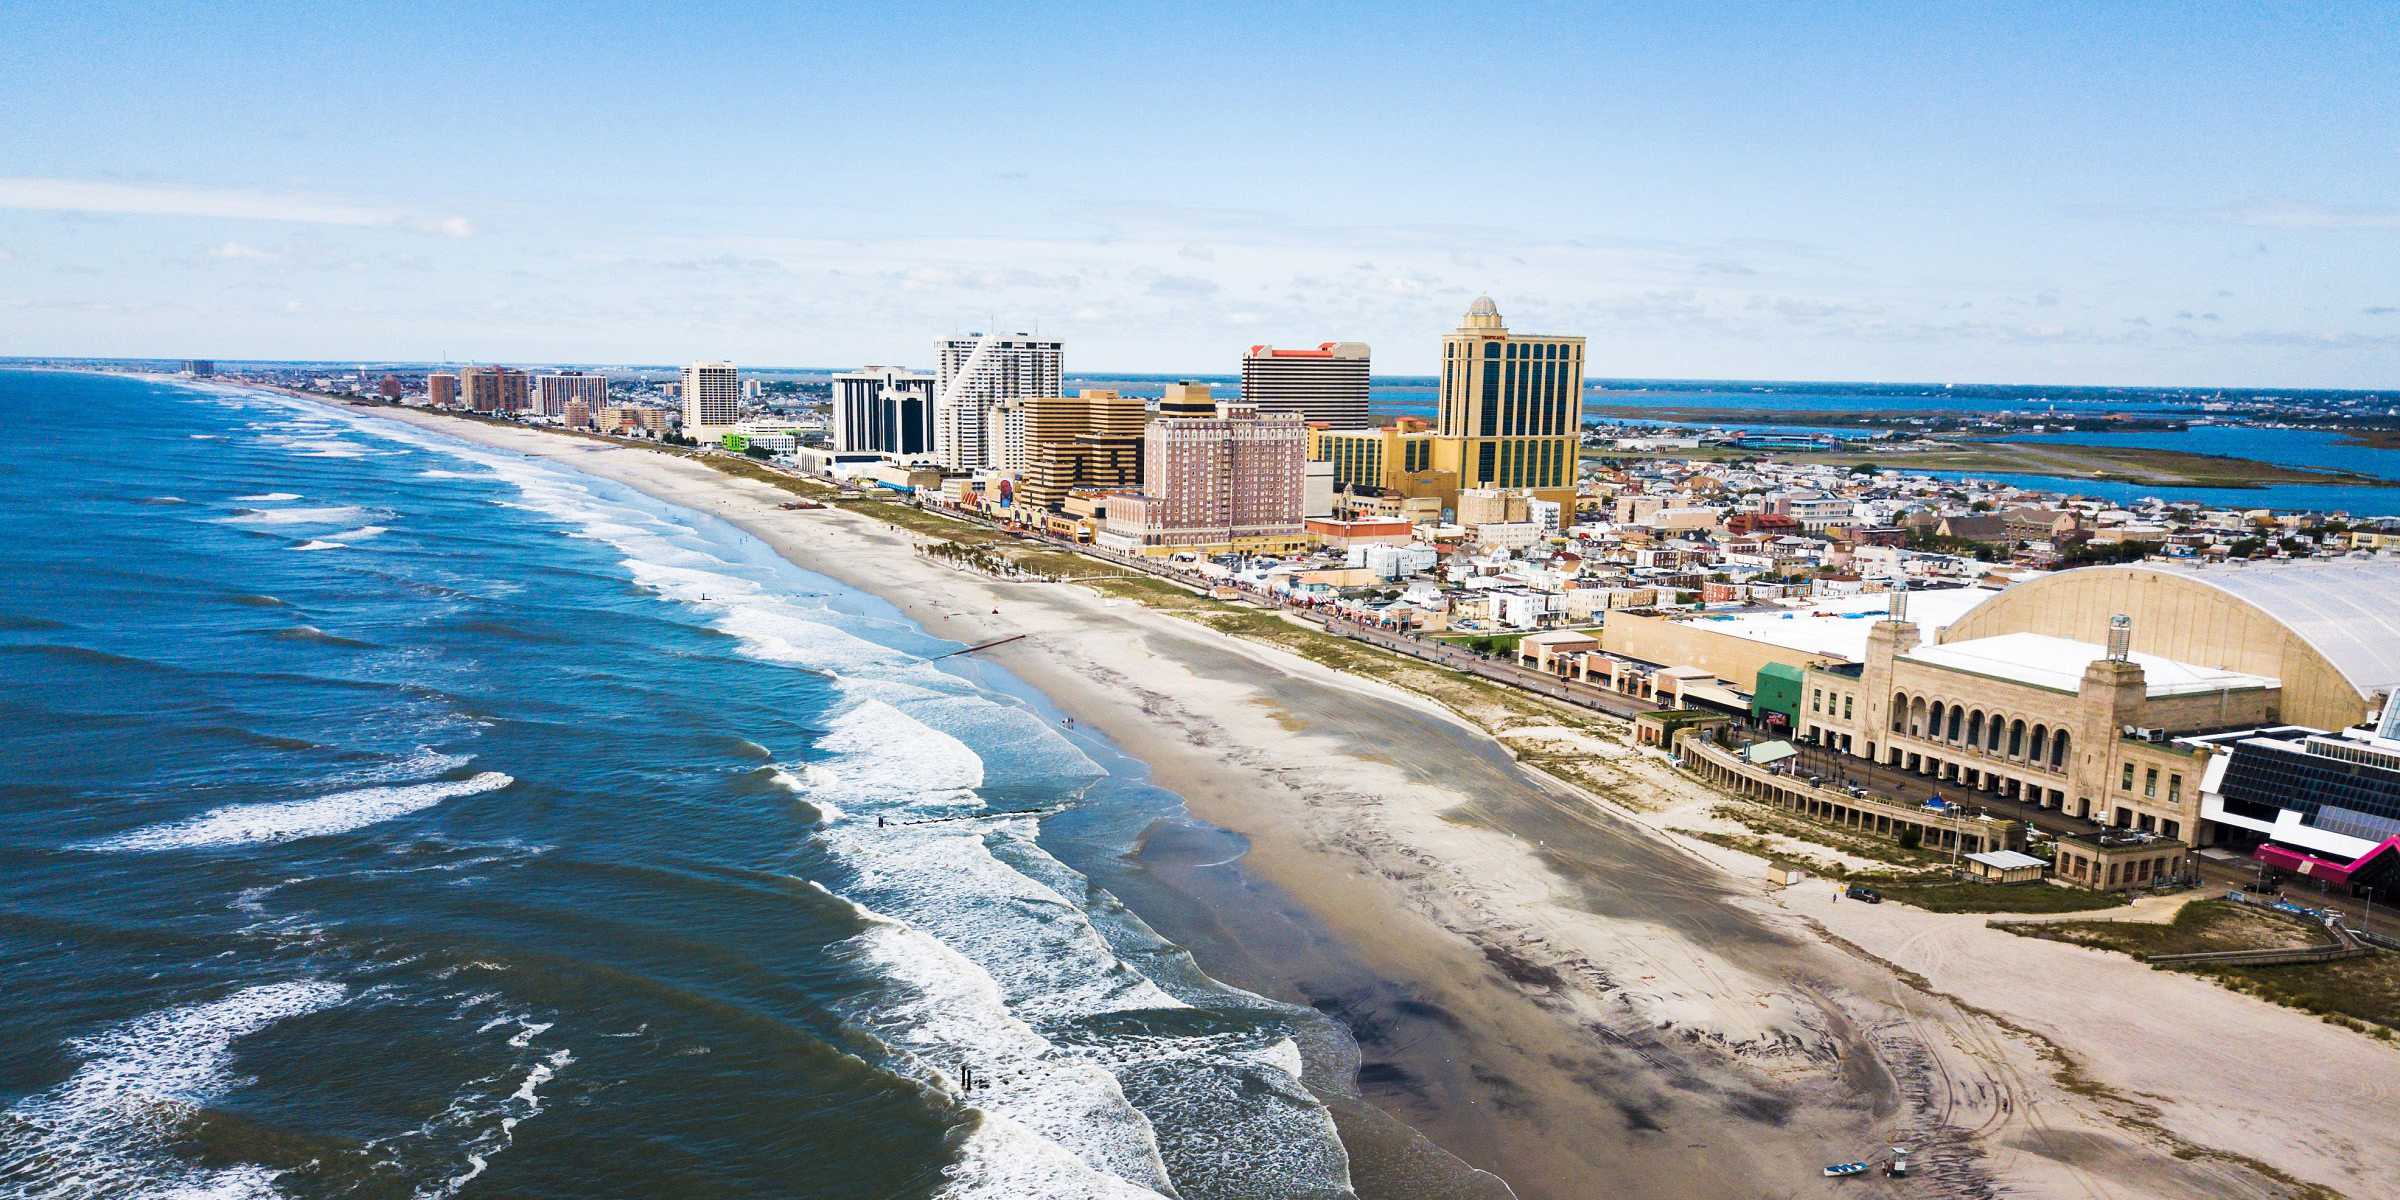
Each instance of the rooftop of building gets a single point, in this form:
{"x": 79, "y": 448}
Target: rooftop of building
{"x": 2348, "y": 609}
{"x": 1838, "y": 627}
{"x": 2120, "y": 839}
{"x": 2057, "y": 663}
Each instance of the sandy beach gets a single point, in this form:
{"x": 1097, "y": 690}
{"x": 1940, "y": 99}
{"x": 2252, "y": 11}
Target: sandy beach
{"x": 1557, "y": 991}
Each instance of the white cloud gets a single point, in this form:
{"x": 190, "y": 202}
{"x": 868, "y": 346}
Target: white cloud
{"x": 239, "y": 204}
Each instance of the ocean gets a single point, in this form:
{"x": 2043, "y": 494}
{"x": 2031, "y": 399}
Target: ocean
{"x": 386, "y": 816}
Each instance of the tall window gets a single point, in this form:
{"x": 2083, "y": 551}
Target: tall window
{"x": 2150, "y": 782}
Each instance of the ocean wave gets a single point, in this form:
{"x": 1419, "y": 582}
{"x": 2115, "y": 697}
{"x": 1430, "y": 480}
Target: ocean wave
{"x": 360, "y": 534}
{"x": 883, "y": 755}
{"x": 333, "y": 514}
{"x": 812, "y": 778}
{"x": 949, "y": 1016}
{"x": 460, "y": 1141}
{"x": 109, "y": 1129}
{"x": 979, "y": 960}
{"x": 162, "y": 500}
{"x": 314, "y": 544}
{"x": 256, "y": 824}
{"x": 269, "y": 497}
{"x": 310, "y": 633}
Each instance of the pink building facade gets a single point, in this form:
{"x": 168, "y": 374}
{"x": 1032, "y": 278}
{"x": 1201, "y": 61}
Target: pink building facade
{"x": 1234, "y": 480}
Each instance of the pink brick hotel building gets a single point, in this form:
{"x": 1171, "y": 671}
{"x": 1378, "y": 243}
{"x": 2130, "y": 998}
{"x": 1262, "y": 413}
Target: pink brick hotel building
{"x": 1229, "y": 481}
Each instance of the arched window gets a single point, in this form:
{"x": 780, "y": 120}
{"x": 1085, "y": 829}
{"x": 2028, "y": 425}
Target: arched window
{"x": 1993, "y": 734}
{"x": 1916, "y": 716}
{"x": 2041, "y": 744}
{"x": 1957, "y": 719}
{"x": 2058, "y": 751}
{"x": 1933, "y": 728}
{"x": 2016, "y": 739}
{"x": 1975, "y": 728}
{"x": 1899, "y": 711}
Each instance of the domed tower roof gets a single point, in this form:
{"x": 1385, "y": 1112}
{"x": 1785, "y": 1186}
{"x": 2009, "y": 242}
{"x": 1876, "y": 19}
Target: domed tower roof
{"x": 1482, "y": 316}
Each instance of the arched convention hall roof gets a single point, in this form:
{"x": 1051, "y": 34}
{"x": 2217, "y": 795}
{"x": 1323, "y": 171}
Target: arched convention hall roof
{"x": 2328, "y": 629}
{"x": 2348, "y": 609}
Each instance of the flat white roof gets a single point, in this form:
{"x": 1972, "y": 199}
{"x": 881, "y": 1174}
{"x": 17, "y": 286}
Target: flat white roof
{"x": 2006, "y": 860}
{"x": 1837, "y": 626}
{"x": 2057, "y": 663}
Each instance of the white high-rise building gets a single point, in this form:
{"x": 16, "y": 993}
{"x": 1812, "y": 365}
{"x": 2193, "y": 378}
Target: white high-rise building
{"x": 1327, "y": 384}
{"x": 551, "y": 393}
{"x": 1018, "y": 365}
{"x": 712, "y": 400}
{"x": 887, "y": 410}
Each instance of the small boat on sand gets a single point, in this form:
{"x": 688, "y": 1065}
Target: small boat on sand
{"x": 1838, "y": 1170}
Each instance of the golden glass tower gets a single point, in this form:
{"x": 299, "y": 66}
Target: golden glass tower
{"x": 1516, "y": 401}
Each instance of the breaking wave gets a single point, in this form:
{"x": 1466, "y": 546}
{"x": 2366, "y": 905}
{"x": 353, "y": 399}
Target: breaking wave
{"x": 109, "y": 1128}
{"x": 341, "y": 812}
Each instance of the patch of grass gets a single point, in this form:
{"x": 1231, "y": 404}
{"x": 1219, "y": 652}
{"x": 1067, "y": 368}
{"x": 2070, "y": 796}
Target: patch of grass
{"x": 1833, "y": 837}
{"x": 750, "y": 468}
{"x": 2203, "y": 925}
{"x": 1967, "y": 897}
{"x": 2359, "y": 993}
{"x": 1752, "y": 844}
{"x": 1156, "y": 593}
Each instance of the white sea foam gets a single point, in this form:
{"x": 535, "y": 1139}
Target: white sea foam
{"x": 269, "y": 497}
{"x": 107, "y": 1130}
{"x": 251, "y": 824}
{"x": 943, "y": 1009}
{"x": 1004, "y": 1160}
{"x": 988, "y": 958}
{"x": 336, "y": 514}
{"x": 420, "y": 763}
{"x": 360, "y": 534}
{"x": 811, "y": 777}
{"x": 315, "y": 544}
{"x": 477, "y": 1124}
{"x": 882, "y": 754}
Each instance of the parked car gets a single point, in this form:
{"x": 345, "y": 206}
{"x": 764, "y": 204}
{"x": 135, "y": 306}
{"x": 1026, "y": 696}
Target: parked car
{"x": 1860, "y": 891}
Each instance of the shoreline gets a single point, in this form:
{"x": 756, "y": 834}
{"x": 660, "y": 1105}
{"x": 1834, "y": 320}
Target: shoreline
{"x": 1599, "y": 997}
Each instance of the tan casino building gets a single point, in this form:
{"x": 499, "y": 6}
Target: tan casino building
{"x": 2069, "y": 691}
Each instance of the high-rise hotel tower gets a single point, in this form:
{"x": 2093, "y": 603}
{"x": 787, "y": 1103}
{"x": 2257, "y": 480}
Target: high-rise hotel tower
{"x": 712, "y": 400}
{"x": 888, "y": 410}
{"x": 552, "y": 393}
{"x": 1516, "y": 400}
{"x": 1017, "y": 366}
{"x": 1327, "y": 385}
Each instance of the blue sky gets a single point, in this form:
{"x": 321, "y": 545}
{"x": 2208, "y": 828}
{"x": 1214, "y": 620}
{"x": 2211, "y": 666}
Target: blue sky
{"x": 2089, "y": 193}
